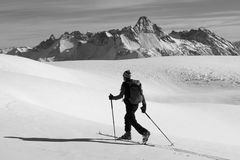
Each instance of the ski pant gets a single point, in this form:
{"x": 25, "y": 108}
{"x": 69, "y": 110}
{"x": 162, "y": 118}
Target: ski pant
{"x": 130, "y": 119}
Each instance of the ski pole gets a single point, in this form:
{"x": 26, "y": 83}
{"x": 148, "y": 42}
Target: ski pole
{"x": 159, "y": 129}
{"x": 113, "y": 120}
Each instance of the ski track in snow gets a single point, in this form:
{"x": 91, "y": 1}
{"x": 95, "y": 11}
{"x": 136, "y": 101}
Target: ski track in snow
{"x": 198, "y": 154}
{"x": 168, "y": 147}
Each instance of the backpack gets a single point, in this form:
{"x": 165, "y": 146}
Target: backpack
{"x": 135, "y": 92}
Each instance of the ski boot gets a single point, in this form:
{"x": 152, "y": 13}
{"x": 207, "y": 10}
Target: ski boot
{"x": 145, "y": 137}
{"x": 126, "y": 136}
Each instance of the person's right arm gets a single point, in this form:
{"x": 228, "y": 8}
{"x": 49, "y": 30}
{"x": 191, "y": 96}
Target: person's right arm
{"x": 120, "y": 95}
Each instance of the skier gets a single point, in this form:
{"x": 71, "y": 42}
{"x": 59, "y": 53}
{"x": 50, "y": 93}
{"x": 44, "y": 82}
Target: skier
{"x": 131, "y": 99}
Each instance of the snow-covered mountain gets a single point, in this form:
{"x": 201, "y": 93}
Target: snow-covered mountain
{"x": 217, "y": 44}
{"x": 145, "y": 39}
{"x": 15, "y": 50}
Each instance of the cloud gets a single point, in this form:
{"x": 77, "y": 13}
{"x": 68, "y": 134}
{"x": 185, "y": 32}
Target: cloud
{"x": 43, "y": 17}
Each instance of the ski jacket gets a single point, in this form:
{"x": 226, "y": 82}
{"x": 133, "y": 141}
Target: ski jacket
{"x": 125, "y": 91}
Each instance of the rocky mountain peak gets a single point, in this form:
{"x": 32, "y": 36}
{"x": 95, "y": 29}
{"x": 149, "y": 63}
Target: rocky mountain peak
{"x": 79, "y": 36}
{"x": 52, "y": 37}
{"x": 47, "y": 43}
{"x": 201, "y": 34}
{"x": 144, "y": 22}
{"x": 146, "y": 26}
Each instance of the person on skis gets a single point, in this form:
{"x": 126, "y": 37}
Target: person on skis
{"x": 132, "y": 92}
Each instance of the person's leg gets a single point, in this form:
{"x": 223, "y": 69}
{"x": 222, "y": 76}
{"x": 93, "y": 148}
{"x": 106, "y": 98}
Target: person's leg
{"x": 127, "y": 134}
{"x": 127, "y": 121}
{"x": 130, "y": 120}
{"x": 141, "y": 130}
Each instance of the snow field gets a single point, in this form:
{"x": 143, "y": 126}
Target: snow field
{"x": 197, "y": 114}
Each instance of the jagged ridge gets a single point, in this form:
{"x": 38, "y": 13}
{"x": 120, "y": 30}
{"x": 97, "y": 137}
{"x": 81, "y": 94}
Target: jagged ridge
{"x": 144, "y": 39}
{"x": 218, "y": 45}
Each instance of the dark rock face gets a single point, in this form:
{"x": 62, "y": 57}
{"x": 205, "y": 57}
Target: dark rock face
{"x": 46, "y": 44}
{"x": 237, "y": 45}
{"x": 145, "y": 39}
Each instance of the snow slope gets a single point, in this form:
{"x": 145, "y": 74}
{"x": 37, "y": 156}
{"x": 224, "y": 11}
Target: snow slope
{"x": 54, "y": 110}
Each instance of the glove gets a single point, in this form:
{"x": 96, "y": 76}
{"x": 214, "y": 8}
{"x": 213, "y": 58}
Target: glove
{"x": 110, "y": 97}
{"x": 143, "y": 108}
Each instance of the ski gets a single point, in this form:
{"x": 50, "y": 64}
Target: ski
{"x": 125, "y": 140}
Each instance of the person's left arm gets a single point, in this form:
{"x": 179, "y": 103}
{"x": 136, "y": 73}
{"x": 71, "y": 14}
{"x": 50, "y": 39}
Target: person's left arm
{"x": 144, "y": 105}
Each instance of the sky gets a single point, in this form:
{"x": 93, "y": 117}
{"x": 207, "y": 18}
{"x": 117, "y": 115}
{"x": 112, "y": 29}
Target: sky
{"x": 28, "y": 22}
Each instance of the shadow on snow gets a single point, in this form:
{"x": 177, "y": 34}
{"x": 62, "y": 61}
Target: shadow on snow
{"x": 93, "y": 140}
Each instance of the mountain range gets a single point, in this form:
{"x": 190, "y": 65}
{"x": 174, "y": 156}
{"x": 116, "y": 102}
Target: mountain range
{"x": 144, "y": 39}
